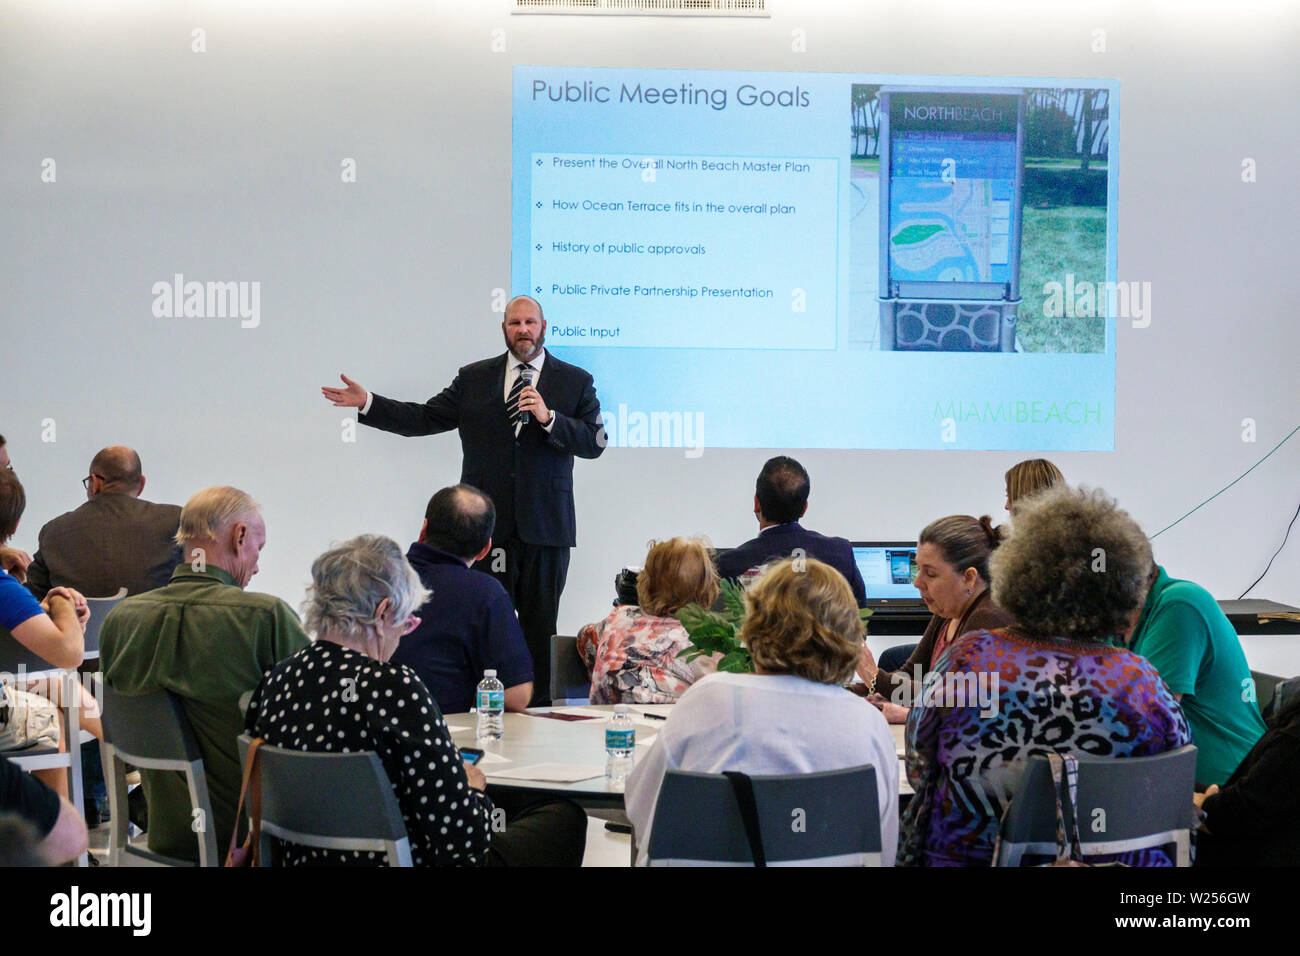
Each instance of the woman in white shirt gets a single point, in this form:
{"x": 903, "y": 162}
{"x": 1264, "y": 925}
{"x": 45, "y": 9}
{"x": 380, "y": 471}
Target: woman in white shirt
{"x": 792, "y": 715}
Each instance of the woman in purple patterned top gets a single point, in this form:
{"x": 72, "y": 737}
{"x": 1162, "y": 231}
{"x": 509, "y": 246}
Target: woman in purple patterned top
{"x": 1073, "y": 574}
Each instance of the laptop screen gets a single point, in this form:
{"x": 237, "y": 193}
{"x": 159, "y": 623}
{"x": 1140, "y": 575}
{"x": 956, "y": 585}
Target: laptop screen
{"x": 888, "y": 570}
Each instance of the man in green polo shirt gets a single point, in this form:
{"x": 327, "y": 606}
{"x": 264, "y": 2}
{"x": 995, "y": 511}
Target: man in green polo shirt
{"x": 208, "y": 641}
{"x": 1192, "y": 644}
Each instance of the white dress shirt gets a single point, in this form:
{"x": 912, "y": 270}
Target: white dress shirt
{"x": 767, "y": 724}
{"x": 512, "y": 375}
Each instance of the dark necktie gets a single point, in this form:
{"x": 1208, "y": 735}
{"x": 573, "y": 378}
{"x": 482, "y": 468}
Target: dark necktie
{"x": 512, "y": 402}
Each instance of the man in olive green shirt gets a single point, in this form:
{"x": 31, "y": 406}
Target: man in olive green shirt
{"x": 1192, "y": 644}
{"x": 208, "y": 641}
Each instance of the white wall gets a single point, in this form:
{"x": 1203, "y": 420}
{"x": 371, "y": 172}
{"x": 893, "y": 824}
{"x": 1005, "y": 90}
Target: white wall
{"x": 225, "y": 165}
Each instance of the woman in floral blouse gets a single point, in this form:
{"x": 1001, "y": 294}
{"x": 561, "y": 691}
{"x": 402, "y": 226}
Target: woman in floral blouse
{"x": 632, "y": 654}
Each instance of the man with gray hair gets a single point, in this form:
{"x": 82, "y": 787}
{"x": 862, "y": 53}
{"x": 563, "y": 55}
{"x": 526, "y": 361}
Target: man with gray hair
{"x": 208, "y": 641}
{"x": 115, "y": 540}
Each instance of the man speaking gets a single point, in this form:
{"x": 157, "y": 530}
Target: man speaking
{"x": 522, "y": 417}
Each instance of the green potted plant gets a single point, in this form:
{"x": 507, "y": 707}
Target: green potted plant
{"x": 717, "y": 632}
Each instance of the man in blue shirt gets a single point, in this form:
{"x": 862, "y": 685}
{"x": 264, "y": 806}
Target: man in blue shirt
{"x": 469, "y": 625}
{"x": 780, "y": 500}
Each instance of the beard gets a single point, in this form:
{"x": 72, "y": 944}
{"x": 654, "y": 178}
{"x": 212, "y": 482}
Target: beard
{"x": 536, "y": 347}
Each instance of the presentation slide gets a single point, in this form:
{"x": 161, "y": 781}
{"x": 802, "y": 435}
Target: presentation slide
{"x": 792, "y": 260}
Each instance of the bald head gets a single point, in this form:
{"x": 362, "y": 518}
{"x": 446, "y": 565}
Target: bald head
{"x": 519, "y": 299}
{"x": 116, "y": 470}
{"x": 459, "y": 520}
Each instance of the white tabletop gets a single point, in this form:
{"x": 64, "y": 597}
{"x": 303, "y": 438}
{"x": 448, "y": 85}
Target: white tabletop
{"x": 530, "y": 740}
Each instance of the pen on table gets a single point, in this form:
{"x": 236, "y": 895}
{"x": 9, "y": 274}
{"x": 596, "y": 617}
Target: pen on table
{"x": 651, "y": 716}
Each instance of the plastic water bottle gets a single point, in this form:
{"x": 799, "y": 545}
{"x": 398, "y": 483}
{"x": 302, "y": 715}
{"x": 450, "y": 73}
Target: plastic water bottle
{"x": 620, "y": 747}
{"x": 491, "y": 703}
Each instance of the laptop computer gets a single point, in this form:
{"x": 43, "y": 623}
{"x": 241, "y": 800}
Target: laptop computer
{"x": 888, "y": 569}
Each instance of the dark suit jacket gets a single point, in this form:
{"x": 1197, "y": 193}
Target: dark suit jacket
{"x": 781, "y": 540}
{"x": 529, "y": 478}
{"x": 110, "y": 542}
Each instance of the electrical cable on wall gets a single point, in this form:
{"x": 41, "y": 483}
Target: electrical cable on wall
{"x": 1229, "y": 485}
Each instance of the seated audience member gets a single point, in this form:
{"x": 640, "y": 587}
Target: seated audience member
{"x": 54, "y": 631}
{"x": 1027, "y": 478}
{"x": 952, "y": 562}
{"x": 361, "y": 602}
{"x": 469, "y": 624}
{"x": 56, "y": 635}
{"x": 1048, "y": 683}
{"x": 1186, "y": 636}
{"x": 632, "y": 653}
{"x": 780, "y": 500}
{"x": 791, "y": 715}
{"x": 208, "y": 641}
{"x": 54, "y": 833}
{"x": 115, "y": 540}
{"x": 1254, "y": 818}
{"x": 12, "y": 560}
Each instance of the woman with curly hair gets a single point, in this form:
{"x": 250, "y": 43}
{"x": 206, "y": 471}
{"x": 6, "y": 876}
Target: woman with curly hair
{"x": 1072, "y": 574}
{"x": 791, "y": 715}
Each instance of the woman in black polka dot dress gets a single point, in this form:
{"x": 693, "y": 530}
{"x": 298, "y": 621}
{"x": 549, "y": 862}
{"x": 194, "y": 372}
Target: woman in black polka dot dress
{"x": 341, "y": 695}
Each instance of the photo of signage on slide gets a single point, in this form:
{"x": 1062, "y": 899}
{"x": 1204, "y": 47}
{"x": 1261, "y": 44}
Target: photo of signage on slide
{"x": 761, "y": 260}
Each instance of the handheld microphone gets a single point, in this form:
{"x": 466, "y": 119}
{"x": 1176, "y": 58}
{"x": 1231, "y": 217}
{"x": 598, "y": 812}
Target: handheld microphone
{"x": 526, "y": 376}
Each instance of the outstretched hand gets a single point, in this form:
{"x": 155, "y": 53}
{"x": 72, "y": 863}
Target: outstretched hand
{"x": 354, "y": 396}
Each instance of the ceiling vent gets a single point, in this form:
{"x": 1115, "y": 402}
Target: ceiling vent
{"x": 645, "y": 8}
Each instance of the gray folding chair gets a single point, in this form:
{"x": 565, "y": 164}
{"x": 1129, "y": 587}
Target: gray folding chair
{"x": 1125, "y": 804}
{"x": 1265, "y": 685}
{"x": 151, "y": 732}
{"x": 570, "y": 682}
{"x": 812, "y": 819}
{"x": 16, "y": 660}
{"x": 99, "y": 608}
{"x": 1284, "y": 695}
{"x": 329, "y": 801}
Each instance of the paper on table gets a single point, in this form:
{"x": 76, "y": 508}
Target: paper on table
{"x": 552, "y": 772}
{"x": 646, "y": 741}
{"x": 903, "y": 786}
{"x": 457, "y": 729}
{"x": 491, "y": 758}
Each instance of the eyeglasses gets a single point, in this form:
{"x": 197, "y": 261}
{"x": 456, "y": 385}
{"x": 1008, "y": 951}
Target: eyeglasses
{"x": 85, "y": 482}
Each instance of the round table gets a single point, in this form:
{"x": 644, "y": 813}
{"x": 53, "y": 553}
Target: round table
{"x": 530, "y": 740}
